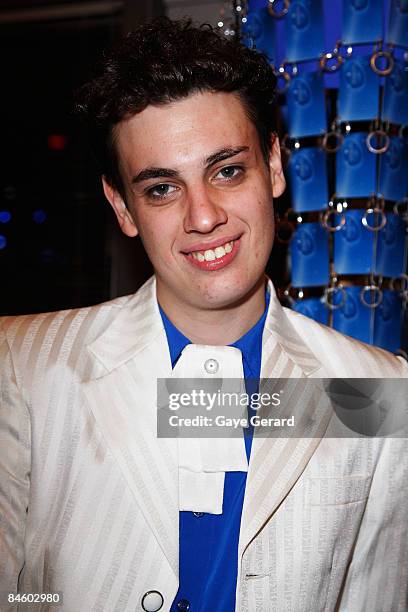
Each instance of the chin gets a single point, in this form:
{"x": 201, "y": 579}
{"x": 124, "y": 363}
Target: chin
{"x": 222, "y": 294}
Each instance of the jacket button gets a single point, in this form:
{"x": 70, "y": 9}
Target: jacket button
{"x": 152, "y": 601}
{"x": 211, "y": 366}
{"x": 183, "y": 605}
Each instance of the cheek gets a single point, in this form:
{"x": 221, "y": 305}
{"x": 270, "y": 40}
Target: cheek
{"x": 158, "y": 236}
{"x": 264, "y": 229}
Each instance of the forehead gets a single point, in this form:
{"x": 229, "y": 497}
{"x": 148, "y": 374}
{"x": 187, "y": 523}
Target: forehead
{"x": 184, "y": 131}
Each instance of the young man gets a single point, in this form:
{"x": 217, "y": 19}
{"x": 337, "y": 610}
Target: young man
{"x": 93, "y": 503}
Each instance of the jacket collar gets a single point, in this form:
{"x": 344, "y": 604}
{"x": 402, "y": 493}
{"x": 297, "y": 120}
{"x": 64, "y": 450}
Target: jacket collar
{"x": 138, "y": 323}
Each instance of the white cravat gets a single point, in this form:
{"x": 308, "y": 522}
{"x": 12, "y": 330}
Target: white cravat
{"x": 204, "y": 461}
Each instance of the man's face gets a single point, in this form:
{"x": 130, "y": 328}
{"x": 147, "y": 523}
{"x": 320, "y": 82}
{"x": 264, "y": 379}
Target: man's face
{"x": 199, "y": 193}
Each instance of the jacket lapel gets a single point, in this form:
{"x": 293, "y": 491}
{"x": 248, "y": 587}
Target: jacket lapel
{"x": 134, "y": 352}
{"x": 278, "y": 461}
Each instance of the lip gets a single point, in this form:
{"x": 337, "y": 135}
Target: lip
{"x": 205, "y": 246}
{"x": 217, "y": 264}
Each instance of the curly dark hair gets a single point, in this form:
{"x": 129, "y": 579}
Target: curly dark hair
{"x": 164, "y": 61}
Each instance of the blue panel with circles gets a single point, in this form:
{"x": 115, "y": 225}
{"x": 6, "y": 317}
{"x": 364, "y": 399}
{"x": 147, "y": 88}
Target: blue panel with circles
{"x": 355, "y": 168}
{"x": 397, "y": 33}
{"x": 259, "y": 32}
{"x": 306, "y": 105}
{"x": 309, "y": 249}
{"x": 352, "y": 317}
{"x": 329, "y": 53}
{"x": 359, "y": 88}
{"x": 387, "y": 321}
{"x": 362, "y": 21}
{"x": 394, "y": 170}
{"x": 395, "y": 105}
{"x": 391, "y": 245}
{"x": 314, "y": 308}
{"x": 304, "y": 34}
{"x": 353, "y": 245}
{"x": 308, "y": 179}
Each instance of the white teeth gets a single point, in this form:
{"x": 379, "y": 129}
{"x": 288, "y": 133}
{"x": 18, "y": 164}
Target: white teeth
{"x": 219, "y": 252}
{"x": 212, "y": 254}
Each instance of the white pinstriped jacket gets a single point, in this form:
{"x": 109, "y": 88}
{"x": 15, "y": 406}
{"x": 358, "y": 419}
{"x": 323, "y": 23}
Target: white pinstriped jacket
{"x": 89, "y": 495}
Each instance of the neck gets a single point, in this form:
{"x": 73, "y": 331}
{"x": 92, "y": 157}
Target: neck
{"x": 216, "y": 327}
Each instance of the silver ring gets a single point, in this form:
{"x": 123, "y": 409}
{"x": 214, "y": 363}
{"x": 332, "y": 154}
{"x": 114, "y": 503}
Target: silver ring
{"x": 330, "y": 291}
{"x": 326, "y": 216}
{"x": 377, "y": 133}
{"x": 328, "y": 56}
{"x": 402, "y": 130}
{"x": 373, "y": 211}
{"x": 404, "y": 284}
{"x": 339, "y": 141}
{"x": 371, "y": 288}
{"x": 390, "y": 62}
{"x": 282, "y": 12}
{"x": 396, "y": 208}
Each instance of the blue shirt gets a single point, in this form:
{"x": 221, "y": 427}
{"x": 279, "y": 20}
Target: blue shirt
{"x": 209, "y": 542}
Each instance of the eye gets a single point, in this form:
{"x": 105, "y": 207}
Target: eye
{"x": 159, "y": 192}
{"x": 229, "y": 172}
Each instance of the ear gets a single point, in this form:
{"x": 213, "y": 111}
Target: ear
{"x": 125, "y": 220}
{"x": 275, "y": 167}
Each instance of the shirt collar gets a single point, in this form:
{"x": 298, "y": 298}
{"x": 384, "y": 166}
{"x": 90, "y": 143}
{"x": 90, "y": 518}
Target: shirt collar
{"x": 250, "y": 344}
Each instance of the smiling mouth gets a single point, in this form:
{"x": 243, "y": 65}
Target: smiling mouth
{"x": 213, "y": 254}
{"x": 216, "y": 258}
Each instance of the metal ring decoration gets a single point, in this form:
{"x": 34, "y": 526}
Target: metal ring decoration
{"x": 404, "y": 283}
{"x": 326, "y": 216}
{"x": 339, "y": 141}
{"x": 332, "y": 290}
{"x": 396, "y": 208}
{"x": 275, "y": 13}
{"x": 377, "y": 201}
{"x": 371, "y": 288}
{"x": 284, "y": 223}
{"x": 390, "y": 62}
{"x": 377, "y": 133}
{"x": 281, "y": 73}
{"x": 327, "y": 57}
{"x": 373, "y": 211}
{"x": 403, "y": 128}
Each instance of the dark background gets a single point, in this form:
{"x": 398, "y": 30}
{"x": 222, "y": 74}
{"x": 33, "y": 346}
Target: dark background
{"x": 61, "y": 246}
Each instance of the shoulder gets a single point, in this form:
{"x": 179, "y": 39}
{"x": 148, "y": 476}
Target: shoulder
{"x": 342, "y": 355}
{"x": 72, "y": 320}
{"x": 55, "y": 337}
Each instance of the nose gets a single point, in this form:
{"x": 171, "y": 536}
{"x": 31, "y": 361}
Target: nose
{"x": 203, "y": 213}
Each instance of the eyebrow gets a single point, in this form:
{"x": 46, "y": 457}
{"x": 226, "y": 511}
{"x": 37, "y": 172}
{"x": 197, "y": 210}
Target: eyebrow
{"x": 223, "y": 154}
{"x": 154, "y": 173}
